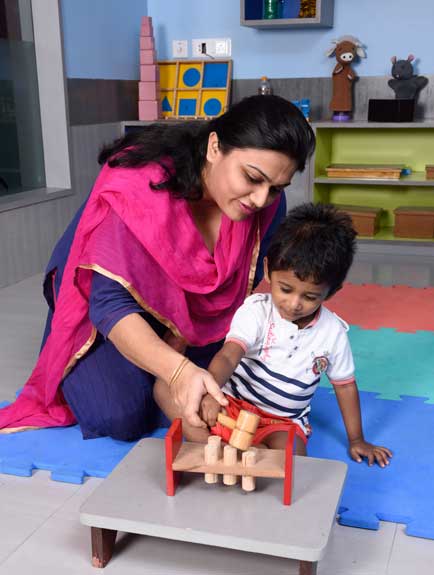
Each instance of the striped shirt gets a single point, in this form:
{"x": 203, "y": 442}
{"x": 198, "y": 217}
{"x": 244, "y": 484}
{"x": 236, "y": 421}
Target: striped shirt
{"x": 283, "y": 364}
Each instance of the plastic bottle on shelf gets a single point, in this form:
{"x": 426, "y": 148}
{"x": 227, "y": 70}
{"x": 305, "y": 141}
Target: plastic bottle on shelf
{"x": 271, "y": 9}
{"x": 264, "y": 88}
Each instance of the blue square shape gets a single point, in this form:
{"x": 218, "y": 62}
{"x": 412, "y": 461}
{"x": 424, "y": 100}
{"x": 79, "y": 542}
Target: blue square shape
{"x": 187, "y": 106}
{"x": 215, "y": 75}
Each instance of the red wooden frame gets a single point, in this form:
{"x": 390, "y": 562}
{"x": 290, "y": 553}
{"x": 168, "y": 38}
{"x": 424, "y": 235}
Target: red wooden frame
{"x": 289, "y": 452}
{"x": 173, "y": 443}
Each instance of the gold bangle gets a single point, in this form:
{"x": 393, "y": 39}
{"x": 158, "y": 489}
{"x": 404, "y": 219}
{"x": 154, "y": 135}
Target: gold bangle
{"x": 178, "y": 370}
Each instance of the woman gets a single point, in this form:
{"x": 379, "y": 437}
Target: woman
{"x": 157, "y": 260}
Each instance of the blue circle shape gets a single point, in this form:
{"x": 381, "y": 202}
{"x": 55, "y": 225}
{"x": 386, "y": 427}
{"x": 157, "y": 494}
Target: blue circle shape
{"x": 191, "y": 77}
{"x": 212, "y": 107}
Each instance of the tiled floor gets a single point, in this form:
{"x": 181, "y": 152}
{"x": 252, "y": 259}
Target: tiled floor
{"x": 39, "y": 526}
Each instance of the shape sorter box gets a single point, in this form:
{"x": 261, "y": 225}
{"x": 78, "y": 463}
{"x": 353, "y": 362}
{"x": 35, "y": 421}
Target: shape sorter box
{"x": 149, "y": 91}
{"x": 195, "y": 88}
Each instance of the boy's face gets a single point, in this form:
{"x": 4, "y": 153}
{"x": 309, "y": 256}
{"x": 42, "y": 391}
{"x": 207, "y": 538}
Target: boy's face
{"x": 296, "y": 300}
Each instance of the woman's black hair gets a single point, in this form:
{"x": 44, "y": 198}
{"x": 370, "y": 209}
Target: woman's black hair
{"x": 264, "y": 122}
{"x": 316, "y": 242}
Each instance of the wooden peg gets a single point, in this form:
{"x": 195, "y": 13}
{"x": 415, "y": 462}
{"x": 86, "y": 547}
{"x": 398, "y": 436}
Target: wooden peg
{"x": 248, "y": 459}
{"x": 229, "y": 458}
{"x": 217, "y": 441}
{"x": 211, "y": 456}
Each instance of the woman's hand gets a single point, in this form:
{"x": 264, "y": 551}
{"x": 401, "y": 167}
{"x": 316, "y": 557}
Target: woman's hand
{"x": 360, "y": 448}
{"x": 189, "y": 388}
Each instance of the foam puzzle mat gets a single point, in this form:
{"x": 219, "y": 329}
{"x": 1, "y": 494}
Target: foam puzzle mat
{"x": 404, "y": 308}
{"x": 63, "y": 452}
{"x": 395, "y": 375}
{"x": 391, "y": 364}
{"x": 401, "y": 492}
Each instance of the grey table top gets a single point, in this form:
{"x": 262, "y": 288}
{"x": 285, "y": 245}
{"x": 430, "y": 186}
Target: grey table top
{"x": 133, "y": 499}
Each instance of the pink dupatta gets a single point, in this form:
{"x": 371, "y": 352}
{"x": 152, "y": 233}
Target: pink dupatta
{"x": 147, "y": 241}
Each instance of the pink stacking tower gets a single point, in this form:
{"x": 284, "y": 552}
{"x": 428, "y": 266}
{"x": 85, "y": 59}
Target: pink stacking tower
{"x": 149, "y": 85}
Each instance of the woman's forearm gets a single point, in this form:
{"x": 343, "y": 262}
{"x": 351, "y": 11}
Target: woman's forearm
{"x": 134, "y": 338}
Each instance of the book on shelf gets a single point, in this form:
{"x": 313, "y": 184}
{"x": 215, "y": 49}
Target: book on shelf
{"x": 365, "y": 171}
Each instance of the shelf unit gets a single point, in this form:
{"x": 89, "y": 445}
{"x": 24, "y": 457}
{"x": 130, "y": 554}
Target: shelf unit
{"x": 251, "y": 12}
{"x": 411, "y": 144}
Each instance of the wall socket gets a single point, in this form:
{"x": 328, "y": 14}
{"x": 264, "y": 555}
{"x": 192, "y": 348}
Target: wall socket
{"x": 211, "y": 47}
{"x": 180, "y": 48}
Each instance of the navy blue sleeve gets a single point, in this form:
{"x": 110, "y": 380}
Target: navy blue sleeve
{"x": 278, "y": 217}
{"x": 109, "y": 302}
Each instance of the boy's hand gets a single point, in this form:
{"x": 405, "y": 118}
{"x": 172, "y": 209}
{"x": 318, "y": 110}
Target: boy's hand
{"x": 360, "y": 448}
{"x": 209, "y": 408}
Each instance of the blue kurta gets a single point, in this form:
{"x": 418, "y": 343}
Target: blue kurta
{"x": 109, "y": 395}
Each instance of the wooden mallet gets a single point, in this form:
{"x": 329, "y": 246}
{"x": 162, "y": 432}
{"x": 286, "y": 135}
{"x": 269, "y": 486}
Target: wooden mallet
{"x": 243, "y": 429}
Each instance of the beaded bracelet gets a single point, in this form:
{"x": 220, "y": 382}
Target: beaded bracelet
{"x": 178, "y": 371}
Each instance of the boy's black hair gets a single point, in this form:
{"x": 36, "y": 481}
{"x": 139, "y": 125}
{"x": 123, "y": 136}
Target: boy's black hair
{"x": 315, "y": 241}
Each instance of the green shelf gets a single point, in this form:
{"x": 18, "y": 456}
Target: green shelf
{"x": 411, "y": 145}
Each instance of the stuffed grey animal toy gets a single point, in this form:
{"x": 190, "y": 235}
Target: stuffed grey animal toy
{"x": 405, "y": 83}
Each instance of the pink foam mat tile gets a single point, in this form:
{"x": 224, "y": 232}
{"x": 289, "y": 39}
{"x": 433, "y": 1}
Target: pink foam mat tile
{"x": 370, "y": 306}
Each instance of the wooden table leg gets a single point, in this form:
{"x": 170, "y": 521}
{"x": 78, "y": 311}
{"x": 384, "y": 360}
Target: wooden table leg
{"x": 307, "y": 568}
{"x": 103, "y": 544}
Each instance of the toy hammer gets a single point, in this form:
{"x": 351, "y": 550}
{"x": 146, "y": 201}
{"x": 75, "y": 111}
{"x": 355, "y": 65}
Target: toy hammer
{"x": 243, "y": 429}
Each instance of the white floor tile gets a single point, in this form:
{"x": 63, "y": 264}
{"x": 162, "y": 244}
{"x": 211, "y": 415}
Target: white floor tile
{"x": 66, "y": 546}
{"x": 25, "y": 504}
{"x": 22, "y": 312}
{"x": 411, "y": 555}
{"x": 358, "y": 551}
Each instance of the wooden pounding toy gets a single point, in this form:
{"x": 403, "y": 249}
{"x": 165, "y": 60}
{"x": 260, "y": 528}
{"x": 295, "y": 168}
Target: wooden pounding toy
{"x": 243, "y": 429}
{"x": 185, "y": 456}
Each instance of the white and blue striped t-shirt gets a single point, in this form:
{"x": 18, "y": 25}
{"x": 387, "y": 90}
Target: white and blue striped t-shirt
{"x": 283, "y": 364}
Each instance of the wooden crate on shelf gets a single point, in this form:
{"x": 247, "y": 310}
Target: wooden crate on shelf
{"x": 429, "y": 171}
{"x": 365, "y": 171}
{"x": 414, "y": 222}
{"x": 366, "y": 220}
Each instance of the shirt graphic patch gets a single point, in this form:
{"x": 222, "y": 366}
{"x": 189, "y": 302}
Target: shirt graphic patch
{"x": 320, "y": 364}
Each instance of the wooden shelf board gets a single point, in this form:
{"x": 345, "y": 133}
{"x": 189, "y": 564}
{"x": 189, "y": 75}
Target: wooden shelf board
{"x": 416, "y": 179}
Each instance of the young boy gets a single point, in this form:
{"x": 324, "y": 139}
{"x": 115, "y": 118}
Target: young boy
{"x": 280, "y": 343}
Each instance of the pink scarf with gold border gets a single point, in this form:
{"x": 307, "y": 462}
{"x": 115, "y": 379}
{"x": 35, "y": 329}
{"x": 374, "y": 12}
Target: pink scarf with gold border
{"x": 148, "y": 242}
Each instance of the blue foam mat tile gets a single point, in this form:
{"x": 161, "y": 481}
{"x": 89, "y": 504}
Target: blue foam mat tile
{"x": 420, "y": 528}
{"x": 19, "y": 467}
{"x": 68, "y": 475}
{"x": 400, "y": 492}
{"x": 64, "y": 452}
{"x": 361, "y": 520}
